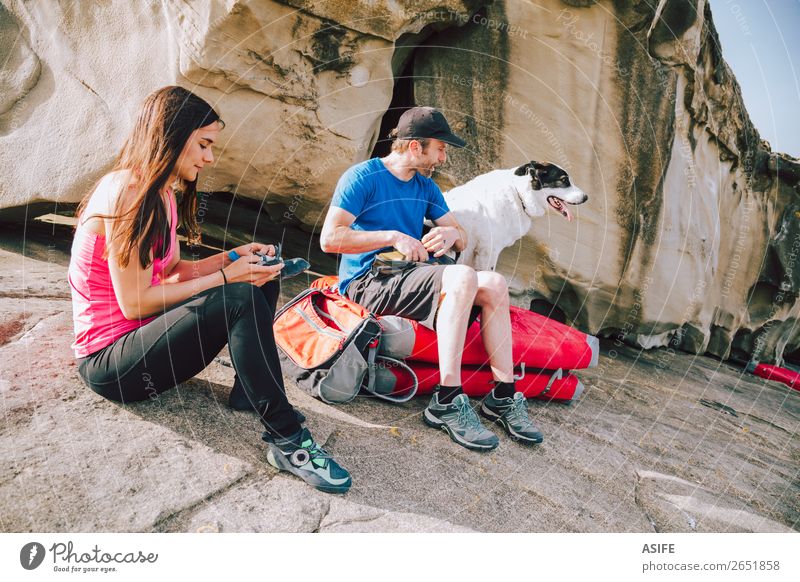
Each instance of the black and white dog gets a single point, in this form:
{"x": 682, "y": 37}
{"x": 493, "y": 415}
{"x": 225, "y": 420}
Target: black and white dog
{"x": 496, "y": 208}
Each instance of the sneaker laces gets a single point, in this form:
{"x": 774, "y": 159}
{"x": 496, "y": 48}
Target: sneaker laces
{"x": 519, "y": 412}
{"x": 318, "y": 456}
{"x": 316, "y": 452}
{"x": 467, "y": 415}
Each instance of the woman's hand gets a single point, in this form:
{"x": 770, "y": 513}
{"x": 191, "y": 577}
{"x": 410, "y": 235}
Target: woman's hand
{"x": 246, "y": 269}
{"x": 252, "y": 248}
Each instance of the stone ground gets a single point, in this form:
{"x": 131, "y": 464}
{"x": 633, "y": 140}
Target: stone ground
{"x": 659, "y": 441}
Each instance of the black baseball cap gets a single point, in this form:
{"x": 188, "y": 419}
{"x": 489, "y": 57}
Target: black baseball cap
{"x": 422, "y": 122}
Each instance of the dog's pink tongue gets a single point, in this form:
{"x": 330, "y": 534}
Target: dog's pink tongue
{"x": 560, "y": 207}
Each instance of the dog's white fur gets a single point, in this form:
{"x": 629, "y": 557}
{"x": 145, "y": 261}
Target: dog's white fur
{"x": 496, "y": 209}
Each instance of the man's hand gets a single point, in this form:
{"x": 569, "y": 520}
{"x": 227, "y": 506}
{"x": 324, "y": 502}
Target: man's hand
{"x": 411, "y": 248}
{"x": 440, "y": 239}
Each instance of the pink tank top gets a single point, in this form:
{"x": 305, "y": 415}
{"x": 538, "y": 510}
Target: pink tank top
{"x": 96, "y": 314}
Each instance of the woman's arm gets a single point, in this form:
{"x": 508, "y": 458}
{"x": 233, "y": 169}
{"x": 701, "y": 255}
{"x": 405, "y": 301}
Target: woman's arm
{"x": 138, "y": 299}
{"x": 182, "y": 270}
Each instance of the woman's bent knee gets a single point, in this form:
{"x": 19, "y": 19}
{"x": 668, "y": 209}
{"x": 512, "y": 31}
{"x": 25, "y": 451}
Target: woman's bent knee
{"x": 242, "y": 297}
{"x": 238, "y": 293}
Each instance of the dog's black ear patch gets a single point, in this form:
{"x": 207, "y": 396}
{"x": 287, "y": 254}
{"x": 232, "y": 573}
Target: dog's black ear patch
{"x": 540, "y": 173}
{"x": 551, "y": 176}
{"x": 522, "y": 170}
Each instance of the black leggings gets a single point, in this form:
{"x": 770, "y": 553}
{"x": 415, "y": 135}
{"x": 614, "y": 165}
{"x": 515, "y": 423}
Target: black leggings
{"x": 182, "y": 341}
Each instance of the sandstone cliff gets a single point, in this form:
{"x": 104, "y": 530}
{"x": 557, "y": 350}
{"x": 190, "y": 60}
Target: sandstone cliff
{"x": 691, "y": 235}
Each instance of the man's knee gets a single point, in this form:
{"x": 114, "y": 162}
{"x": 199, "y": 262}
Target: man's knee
{"x": 460, "y": 279}
{"x": 492, "y": 289}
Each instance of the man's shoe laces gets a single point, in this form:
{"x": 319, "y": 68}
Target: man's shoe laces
{"x": 519, "y": 413}
{"x": 467, "y": 416}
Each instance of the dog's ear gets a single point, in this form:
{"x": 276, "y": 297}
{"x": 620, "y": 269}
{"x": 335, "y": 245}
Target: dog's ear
{"x": 526, "y": 169}
{"x": 539, "y": 173}
{"x": 530, "y": 168}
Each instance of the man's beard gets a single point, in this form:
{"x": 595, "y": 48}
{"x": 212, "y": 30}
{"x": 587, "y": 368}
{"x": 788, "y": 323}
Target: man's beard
{"x": 427, "y": 171}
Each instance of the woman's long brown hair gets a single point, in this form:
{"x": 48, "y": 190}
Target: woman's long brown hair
{"x": 166, "y": 120}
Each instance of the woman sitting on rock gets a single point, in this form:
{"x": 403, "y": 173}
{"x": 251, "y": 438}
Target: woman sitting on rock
{"x": 146, "y": 320}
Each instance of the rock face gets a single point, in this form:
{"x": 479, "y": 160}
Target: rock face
{"x": 301, "y": 85}
{"x": 69, "y": 93}
{"x": 691, "y": 235}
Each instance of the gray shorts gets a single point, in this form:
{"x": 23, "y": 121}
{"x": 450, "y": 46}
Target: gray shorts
{"x": 414, "y": 293}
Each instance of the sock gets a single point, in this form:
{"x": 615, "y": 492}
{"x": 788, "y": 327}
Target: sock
{"x": 504, "y": 389}
{"x": 448, "y": 393}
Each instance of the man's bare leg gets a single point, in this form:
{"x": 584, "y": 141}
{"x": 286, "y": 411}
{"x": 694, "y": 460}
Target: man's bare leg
{"x": 459, "y": 286}
{"x": 502, "y": 404}
{"x": 492, "y": 298}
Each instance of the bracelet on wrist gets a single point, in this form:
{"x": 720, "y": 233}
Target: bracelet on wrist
{"x": 224, "y": 278}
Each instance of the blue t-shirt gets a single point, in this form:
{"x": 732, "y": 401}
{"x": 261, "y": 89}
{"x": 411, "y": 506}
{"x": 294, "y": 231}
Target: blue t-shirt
{"x": 381, "y": 201}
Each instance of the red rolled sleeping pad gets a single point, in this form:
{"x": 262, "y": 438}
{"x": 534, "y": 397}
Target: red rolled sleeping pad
{"x": 543, "y": 351}
{"x": 770, "y": 372}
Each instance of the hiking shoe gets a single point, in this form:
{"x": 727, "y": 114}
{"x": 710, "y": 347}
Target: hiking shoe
{"x": 512, "y": 414}
{"x": 461, "y": 423}
{"x": 303, "y": 457}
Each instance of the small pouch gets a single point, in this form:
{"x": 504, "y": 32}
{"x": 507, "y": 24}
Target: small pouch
{"x": 391, "y": 263}
{"x": 395, "y": 262}
{"x": 291, "y": 267}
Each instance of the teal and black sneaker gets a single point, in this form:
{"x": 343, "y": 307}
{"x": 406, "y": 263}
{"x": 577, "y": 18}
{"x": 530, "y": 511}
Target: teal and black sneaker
{"x": 512, "y": 414}
{"x": 461, "y": 423}
{"x": 301, "y": 456}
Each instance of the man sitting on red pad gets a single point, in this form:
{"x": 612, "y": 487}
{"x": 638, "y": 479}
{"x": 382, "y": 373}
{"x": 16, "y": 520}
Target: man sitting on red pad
{"x": 380, "y": 205}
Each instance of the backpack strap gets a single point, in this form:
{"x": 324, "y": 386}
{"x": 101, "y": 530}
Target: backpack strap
{"x": 383, "y": 378}
{"x": 371, "y": 367}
